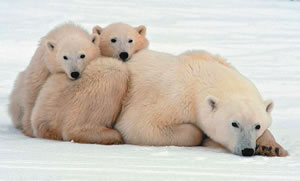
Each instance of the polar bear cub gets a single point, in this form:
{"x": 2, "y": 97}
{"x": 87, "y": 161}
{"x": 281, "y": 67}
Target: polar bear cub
{"x": 68, "y": 48}
{"x": 173, "y": 100}
{"x": 84, "y": 110}
{"x": 121, "y": 41}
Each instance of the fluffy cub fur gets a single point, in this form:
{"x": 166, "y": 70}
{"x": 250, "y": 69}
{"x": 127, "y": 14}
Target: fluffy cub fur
{"x": 121, "y": 40}
{"x": 68, "y": 49}
{"x": 83, "y": 110}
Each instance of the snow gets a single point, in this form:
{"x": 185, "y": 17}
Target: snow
{"x": 260, "y": 38}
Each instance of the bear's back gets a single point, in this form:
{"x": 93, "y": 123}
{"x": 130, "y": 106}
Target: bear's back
{"x": 217, "y": 77}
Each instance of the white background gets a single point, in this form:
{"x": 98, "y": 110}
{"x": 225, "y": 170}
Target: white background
{"x": 261, "y": 38}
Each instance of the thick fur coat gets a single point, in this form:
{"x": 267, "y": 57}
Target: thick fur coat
{"x": 82, "y": 110}
{"x": 68, "y": 48}
{"x": 174, "y": 100}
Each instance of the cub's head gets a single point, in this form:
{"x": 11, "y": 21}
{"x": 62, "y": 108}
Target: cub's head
{"x": 121, "y": 40}
{"x": 72, "y": 54}
{"x": 235, "y": 122}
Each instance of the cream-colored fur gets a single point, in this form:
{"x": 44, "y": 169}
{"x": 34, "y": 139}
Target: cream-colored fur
{"x": 122, "y": 34}
{"x": 16, "y": 106}
{"x": 172, "y": 100}
{"x": 83, "y": 110}
{"x": 68, "y": 40}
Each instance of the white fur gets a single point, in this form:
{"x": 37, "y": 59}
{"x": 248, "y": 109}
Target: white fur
{"x": 170, "y": 98}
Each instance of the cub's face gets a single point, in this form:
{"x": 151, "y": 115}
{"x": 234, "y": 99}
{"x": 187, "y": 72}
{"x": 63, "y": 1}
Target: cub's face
{"x": 235, "y": 123}
{"x": 72, "y": 54}
{"x": 121, "y": 41}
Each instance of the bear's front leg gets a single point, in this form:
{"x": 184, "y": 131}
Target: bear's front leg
{"x": 266, "y": 145}
{"x": 208, "y": 142}
{"x": 185, "y": 134}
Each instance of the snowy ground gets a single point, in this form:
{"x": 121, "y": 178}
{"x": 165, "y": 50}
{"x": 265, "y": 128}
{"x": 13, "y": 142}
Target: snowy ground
{"x": 260, "y": 37}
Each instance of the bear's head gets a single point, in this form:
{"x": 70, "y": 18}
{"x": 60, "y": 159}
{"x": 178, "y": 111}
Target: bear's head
{"x": 72, "y": 54}
{"x": 121, "y": 40}
{"x": 235, "y": 122}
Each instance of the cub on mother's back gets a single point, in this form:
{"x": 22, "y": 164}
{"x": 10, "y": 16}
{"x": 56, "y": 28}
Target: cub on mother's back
{"x": 68, "y": 49}
{"x": 121, "y": 40}
{"x": 84, "y": 110}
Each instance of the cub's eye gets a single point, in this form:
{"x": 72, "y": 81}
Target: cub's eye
{"x": 235, "y": 125}
{"x": 130, "y": 41}
{"x": 257, "y": 127}
{"x": 65, "y": 57}
{"x": 82, "y": 56}
{"x": 113, "y": 40}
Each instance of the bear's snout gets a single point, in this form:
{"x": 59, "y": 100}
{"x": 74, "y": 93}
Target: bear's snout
{"x": 124, "y": 56}
{"x": 75, "y": 75}
{"x": 248, "y": 152}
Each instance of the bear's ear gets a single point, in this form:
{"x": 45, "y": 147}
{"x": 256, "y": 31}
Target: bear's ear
{"x": 50, "y": 45}
{"x": 269, "y": 105}
{"x": 141, "y": 30}
{"x": 97, "y": 29}
{"x": 95, "y": 38}
{"x": 212, "y": 102}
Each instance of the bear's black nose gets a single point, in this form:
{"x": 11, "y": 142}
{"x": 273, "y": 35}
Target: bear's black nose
{"x": 123, "y": 56}
{"x": 75, "y": 75}
{"x": 248, "y": 152}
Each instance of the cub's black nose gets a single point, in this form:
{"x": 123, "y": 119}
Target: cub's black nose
{"x": 248, "y": 152}
{"x": 75, "y": 75}
{"x": 124, "y": 56}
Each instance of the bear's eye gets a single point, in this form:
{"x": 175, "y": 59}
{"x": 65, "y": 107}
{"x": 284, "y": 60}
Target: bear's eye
{"x": 257, "y": 127}
{"x": 82, "y": 56}
{"x": 235, "y": 125}
{"x": 65, "y": 57}
{"x": 113, "y": 40}
{"x": 130, "y": 41}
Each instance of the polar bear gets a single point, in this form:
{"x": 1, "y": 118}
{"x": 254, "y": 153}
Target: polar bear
{"x": 68, "y": 48}
{"x": 121, "y": 40}
{"x": 84, "y": 110}
{"x": 175, "y": 100}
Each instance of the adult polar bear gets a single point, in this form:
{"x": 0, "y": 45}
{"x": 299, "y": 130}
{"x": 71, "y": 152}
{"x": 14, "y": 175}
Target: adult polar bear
{"x": 171, "y": 97}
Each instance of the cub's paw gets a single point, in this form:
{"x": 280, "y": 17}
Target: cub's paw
{"x": 112, "y": 142}
{"x": 111, "y": 137}
{"x": 27, "y": 132}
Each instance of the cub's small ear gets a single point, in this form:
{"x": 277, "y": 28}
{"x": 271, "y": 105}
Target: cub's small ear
{"x": 95, "y": 38}
{"x": 50, "y": 45}
{"x": 212, "y": 102}
{"x": 269, "y": 105}
{"x": 97, "y": 29}
{"x": 141, "y": 30}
